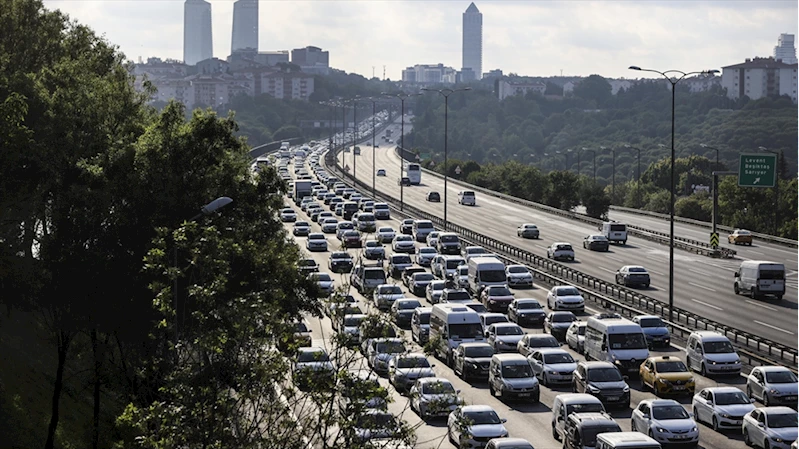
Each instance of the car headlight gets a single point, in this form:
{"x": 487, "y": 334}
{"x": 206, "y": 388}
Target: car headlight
{"x": 592, "y": 389}
{"x": 712, "y": 362}
{"x": 473, "y": 365}
{"x": 724, "y": 415}
{"x": 777, "y": 439}
{"x": 661, "y": 430}
{"x": 553, "y": 373}
{"x": 508, "y": 386}
{"x": 690, "y": 381}
{"x": 774, "y": 392}
{"x": 662, "y": 380}
{"x": 694, "y": 429}
{"x": 626, "y": 389}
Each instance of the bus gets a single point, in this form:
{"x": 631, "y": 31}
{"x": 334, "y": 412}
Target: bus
{"x": 414, "y": 173}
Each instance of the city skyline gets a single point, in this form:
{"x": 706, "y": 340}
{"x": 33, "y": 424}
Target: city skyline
{"x": 528, "y": 38}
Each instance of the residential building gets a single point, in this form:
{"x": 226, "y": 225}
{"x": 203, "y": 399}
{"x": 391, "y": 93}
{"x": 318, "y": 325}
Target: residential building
{"x": 700, "y": 83}
{"x": 212, "y": 65}
{"x": 197, "y": 37}
{"x": 760, "y": 77}
{"x": 466, "y": 75}
{"x": 429, "y": 74}
{"x": 285, "y": 85}
{"x": 311, "y": 60}
{"x": 785, "y": 50}
{"x": 496, "y": 73}
{"x": 509, "y": 88}
{"x": 473, "y": 40}
{"x": 156, "y": 67}
{"x": 272, "y": 58}
{"x": 245, "y": 25}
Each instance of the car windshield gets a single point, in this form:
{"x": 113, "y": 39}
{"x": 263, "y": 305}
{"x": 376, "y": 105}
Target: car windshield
{"x": 437, "y": 285}
{"x": 509, "y": 330}
{"x": 585, "y": 408}
{"x": 313, "y": 356}
{"x": 408, "y": 304}
{"x": 479, "y": 351}
{"x": 413, "y": 362}
{"x": 403, "y": 238}
{"x": 669, "y": 412}
{"x": 307, "y": 263}
{"x": 565, "y": 318}
{"x": 324, "y": 277}
{"x": 528, "y": 305}
{"x": 782, "y": 420}
{"x": 634, "y": 340}
{"x": 482, "y": 417}
{"x": 465, "y": 330}
{"x": 568, "y": 291}
{"x": 564, "y": 248}
{"x": 389, "y": 290}
{"x": 437, "y": 388}
{"x": 558, "y": 358}
{"x": 376, "y": 421}
{"x": 676, "y": 366}
{"x": 732, "y": 398}
{"x": 316, "y": 237}
{"x": 518, "y": 269}
{"x": 604, "y": 375}
{"x": 581, "y": 330}
{"x": 392, "y": 347}
{"x": 479, "y": 308}
{"x": 718, "y": 347}
{"x": 421, "y": 277}
{"x": 288, "y": 211}
{"x": 780, "y": 377}
{"x": 742, "y": 232}
{"x": 301, "y": 224}
{"x": 457, "y": 296}
{"x": 598, "y": 238}
{"x": 301, "y": 327}
{"x": 373, "y": 244}
{"x": 424, "y": 318}
{"x": 499, "y": 291}
{"x": 427, "y": 250}
{"x": 517, "y": 371}
{"x": 340, "y": 256}
{"x": 374, "y": 273}
{"x": 448, "y": 238}
{"x": 345, "y": 225}
{"x": 590, "y": 433}
{"x": 651, "y": 322}
{"x": 404, "y": 259}
{"x": 353, "y": 321}
{"x": 636, "y": 270}
{"x": 424, "y": 225}
{"x": 386, "y": 230}
{"x": 455, "y": 263}
{"x": 380, "y": 207}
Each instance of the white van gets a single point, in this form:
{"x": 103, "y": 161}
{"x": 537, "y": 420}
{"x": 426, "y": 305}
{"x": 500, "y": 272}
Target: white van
{"x": 453, "y": 324}
{"x": 421, "y": 229}
{"x": 485, "y": 271}
{"x": 615, "y": 232}
{"x": 710, "y": 352}
{"x": 616, "y": 340}
{"x": 625, "y": 440}
{"x": 760, "y": 278}
{"x": 466, "y": 197}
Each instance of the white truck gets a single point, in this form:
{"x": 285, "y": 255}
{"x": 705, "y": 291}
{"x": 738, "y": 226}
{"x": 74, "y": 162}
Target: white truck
{"x": 614, "y": 231}
{"x": 485, "y": 271}
{"x": 302, "y": 188}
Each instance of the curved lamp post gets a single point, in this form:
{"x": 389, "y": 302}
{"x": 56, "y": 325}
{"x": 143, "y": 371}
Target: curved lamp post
{"x": 402, "y": 97}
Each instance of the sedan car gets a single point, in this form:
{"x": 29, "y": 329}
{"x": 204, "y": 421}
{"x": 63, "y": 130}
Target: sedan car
{"x": 350, "y": 327}
{"x": 316, "y": 242}
{"x": 397, "y": 263}
{"x": 471, "y": 426}
{"x": 666, "y": 421}
{"x": 385, "y": 234}
{"x": 434, "y": 397}
{"x": 770, "y": 428}
{"x": 655, "y": 330}
{"x": 342, "y": 227}
{"x": 312, "y": 365}
{"x": 565, "y": 297}
{"x": 560, "y": 251}
{"x": 518, "y": 276}
{"x": 557, "y": 323}
{"x": 504, "y": 337}
{"x": 433, "y": 197}
{"x": 405, "y": 369}
{"x": 418, "y": 283}
{"x": 329, "y": 225}
{"x": 288, "y": 215}
{"x": 425, "y": 255}
{"x": 324, "y": 281}
{"x": 721, "y": 407}
{"x": 496, "y": 298}
{"x": 596, "y": 242}
{"x": 528, "y": 231}
{"x": 406, "y": 227}
{"x": 532, "y": 342}
{"x": 301, "y": 228}
{"x": 632, "y": 275}
{"x": 526, "y": 312}
{"x": 434, "y": 290}
{"x": 380, "y": 171}
{"x": 772, "y": 385}
{"x": 340, "y": 262}
{"x": 552, "y": 365}
{"x": 373, "y": 250}
{"x": 381, "y": 350}
{"x": 374, "y": 424}
{"x": 403, "y": 244}
{"x": 351, "y": 239}
{"x": 740, "y": 237}
{"x": 402, "y": 311}
{"x": 307, "y": 265}
{"x": 666, "y": 375}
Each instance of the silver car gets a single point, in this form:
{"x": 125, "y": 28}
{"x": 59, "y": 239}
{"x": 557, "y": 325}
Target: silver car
{"x": 721, "y": 407}
{"x": 434, "y": 396}
{"x": 385, "y": 234}
{"x": 770, "y": 427}
{"x": 425, "y": 255}
{"x": 373, "y": 250}
{"x": 666, "y": 421}
{"x": 434, "y": 290}
{"x": 405, "y": 369}
{"x": 471, "y": 426}
{"x": 432, "y": 239}
{"x": 772, "y": 385}
{"x": 552, "y": 365}
{"x": 324, "y": 281}
{"x": 519, "y": 276}
{"x": 329, "y": 225}
{"x": 504, "y": 337}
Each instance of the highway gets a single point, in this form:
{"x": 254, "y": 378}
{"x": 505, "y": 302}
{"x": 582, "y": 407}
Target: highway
{"x": 529, "y": 421}
{"x": 702, "y": 285}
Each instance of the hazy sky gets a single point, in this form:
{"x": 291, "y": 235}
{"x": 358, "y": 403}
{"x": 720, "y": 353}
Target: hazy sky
{"x": 528, "y": 37}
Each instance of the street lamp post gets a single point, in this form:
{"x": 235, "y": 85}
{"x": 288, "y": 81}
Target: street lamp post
{"x": 638, "y": 180}
{"x": 593, "y": 154}
{"x": 354, "y": 134}
{"x": 673, "y": 80}
{"x": 374, "y": 112}
{"x": 402, "y": 97}
{"x": 776, "y": 189}
{"x": 446, "y": 93}
{"x": 613, "y": 175}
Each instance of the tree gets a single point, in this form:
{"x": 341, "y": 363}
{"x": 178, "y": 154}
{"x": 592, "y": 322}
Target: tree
{"x": 594, "y": 88}
{"x": 563, "y": 191}
{"x": 594, "y": 198}
{"x": 287, "y": 132}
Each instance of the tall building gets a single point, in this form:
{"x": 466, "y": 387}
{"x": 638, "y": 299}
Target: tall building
{"x": 245, "y": 25}
{"x": 473, "y": 40}
{"x": 785, "y": 49}
{"x": 311, "y": 60}
{"x": 760, "y": 77}
{"x": 197, "y": 37}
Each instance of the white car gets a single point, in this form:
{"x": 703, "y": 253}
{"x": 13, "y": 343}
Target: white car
{"x": 504, "y": 337}
{"x": 565, "y": 297}
{"x": 329, "y": 225}
{"x": 288, "y": 215}
{"x": 770, "y": 427}
{"x": 519, "y": 276}
{"x": 324, "y": 281}
{"x": 373, "y": 250}
{"x": 473, "y": 425}
{"x": 387, "y": 294}
{"x": 560, "y": 251}
{"x": 404, "y": 369}
{"x": 721, "y": 407}
{"x": 432, "y": 239}
{"x": 316, "y": 242}
{"x": 311, "y": 363}
{"x": 425, "y": 255}
{"x": 375, "y": 424}
{"x": 403, "y": 244}
{"x": 552, "y": 365}
{"x": 434, "y": 290}
{"x": 385, "y": 234}
{"x": 666, "y": 421}
{"x": 772, "y": 385}
{"x": 434, "y": 396}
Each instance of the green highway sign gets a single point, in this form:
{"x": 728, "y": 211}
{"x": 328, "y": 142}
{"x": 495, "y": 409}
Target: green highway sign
{"x": 757, "y": 170}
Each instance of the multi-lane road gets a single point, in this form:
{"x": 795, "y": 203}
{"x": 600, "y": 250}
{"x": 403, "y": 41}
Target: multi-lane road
{"x": 702, "y": 285}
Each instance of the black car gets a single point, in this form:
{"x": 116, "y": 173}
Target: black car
{"x": 526, "y": 312}
{"x": 557, "y": 323}
{"x": 404, "y": 181}
{"x": 307, "y": 266}
{"x": 407, "y": 226}
{"x": 340, "y": 262}
{"x": 433, "y": 197}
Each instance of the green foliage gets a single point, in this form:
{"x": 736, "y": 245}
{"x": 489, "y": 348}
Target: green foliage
{"x": 697, "y": 206}
{"x": 594, "y": 198}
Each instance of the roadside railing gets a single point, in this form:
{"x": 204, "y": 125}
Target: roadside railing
{"x": 757, "y": 350}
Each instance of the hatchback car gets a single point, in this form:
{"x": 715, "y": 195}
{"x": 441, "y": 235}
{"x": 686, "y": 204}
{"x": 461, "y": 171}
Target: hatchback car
{"x": 471, "y": 426}
{"x": 504, "y": 337}
{"x": 404, "y": 369}
{"x": 433, "y": 197}
{"x": 770, "y": 428}
{"x": 552, "y": 365}
{"x": 528, "y": 231}
{"x": 666, "y": 421}
{"x": 472, "y": 360}
{"x": 403, "y": 244}
{"x": 519, "y": 276}
{"x": 425, "y": 255}
{"x": 496, "y": 298}
{"x": 526, "y": 312}
{"x": 721, "y": 407}
{"x": 532, "y": 342}
{"x": 560, "y": 251}
{"x": 406, "y": 227}
{"x": 402, "y": 311}
{"x": 557, "y": 323}
{"x": 655, "y": 330}
{"x": 603, "y": 380}
{"x": 633, "y": 275}
{"x": 397, "y": 263}
{"x": 434, "y": 290}
{"x": 772, "y": 385}
{"x": 418, "y": 283}
{"x": 596, "y": 243}
{"x": 432, "y": 239}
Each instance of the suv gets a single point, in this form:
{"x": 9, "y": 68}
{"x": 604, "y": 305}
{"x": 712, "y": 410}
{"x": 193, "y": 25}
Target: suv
{"x": 603, "y": 380}
{"x": 582, "y": 429}
{"x": 466, "y": 197}
{"x": 448, "y": 243}
{"x": 367, "y": 277}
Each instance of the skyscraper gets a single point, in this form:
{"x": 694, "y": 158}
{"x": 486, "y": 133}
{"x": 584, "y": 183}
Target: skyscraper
{"x": 245, "y": 25}
{"x": 473, "y": 41}
{"x": 785, "y": 49}
{"x": 197, "y": 38}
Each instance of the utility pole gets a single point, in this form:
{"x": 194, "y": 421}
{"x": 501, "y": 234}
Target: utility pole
{"x": 384, "y": 73}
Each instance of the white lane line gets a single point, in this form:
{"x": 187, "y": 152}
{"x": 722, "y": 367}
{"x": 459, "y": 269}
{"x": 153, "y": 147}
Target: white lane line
{"x": 541, "y": 246}
{"x": 773, "y": 327}
{"x": 756, "y": 252}
{"x": 703, "y": 287}
{"x": 617, "y": 259}
{"x": 605, "y": 269}
{"x": 656, "y": 272}
{"x": 703, "y": 273}
{"x": 761, "y": 305}
{"x": 706, "y": 304}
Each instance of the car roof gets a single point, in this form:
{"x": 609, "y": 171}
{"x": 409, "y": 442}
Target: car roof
{"x": 724, "y": 389}
{"x": 567, "y": 398}
{"x": 552, "y": 351}
{"x": 475, "y": 344}
{"x": 710, "y": 335}
{"x": 522, "y": 300}
{"x": 778, "y": 409}
{"x": 430, "y": 380}
{"x": 661, "y": 402}
{"x": 598, "y": 364}
{"x": 772, "y": 369}
{"x": 477, "y": 408}
{"x": 664, "y": 358}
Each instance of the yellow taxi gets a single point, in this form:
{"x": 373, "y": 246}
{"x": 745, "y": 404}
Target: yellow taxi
{"x": 666, "y": 376}
{"x": 740, "y": 237}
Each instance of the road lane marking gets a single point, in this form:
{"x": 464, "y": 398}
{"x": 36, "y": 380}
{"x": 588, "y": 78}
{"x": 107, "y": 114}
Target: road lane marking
{"x": 617, "y": 259}
{"x": 703, "y": 287}
{"x": 706, "y": 304}
{"x": 656, "y": 272}
{"x": 761, "y": 305}
{"x": 773, "y": 327}
{"x": 605, "y": 269}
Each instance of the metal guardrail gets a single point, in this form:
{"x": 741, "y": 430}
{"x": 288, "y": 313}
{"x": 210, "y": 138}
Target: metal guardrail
{"x": 689, "y": 245}
{"x": 704, "y": 224}
{"x": 754, "y": 348}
